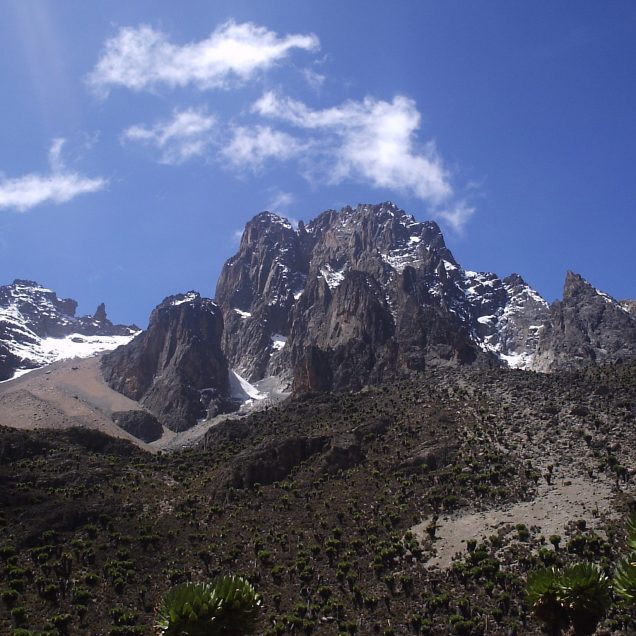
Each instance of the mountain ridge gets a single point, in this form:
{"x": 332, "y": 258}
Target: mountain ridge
{"x": 37, "y": 327}
{"x": 352, "y": 298}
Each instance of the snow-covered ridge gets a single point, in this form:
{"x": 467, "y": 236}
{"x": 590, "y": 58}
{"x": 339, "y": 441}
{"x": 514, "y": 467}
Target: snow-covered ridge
{"x": 75, "y": 345}
{"x": 38, "y": 328}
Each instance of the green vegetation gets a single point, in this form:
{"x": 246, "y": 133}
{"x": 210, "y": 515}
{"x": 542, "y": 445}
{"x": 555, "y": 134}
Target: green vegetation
{"x": 228, "y": 605}
{"x": 625, "y": 573}
{"x": 576, "y": 595}
{"x": 94, "y": 533}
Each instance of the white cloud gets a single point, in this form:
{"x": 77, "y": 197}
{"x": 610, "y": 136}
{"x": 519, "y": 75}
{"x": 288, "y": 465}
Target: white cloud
{"x": 280, "y": 201}
{"x": 252, "y": 146}
{"x": 237, "y": 235}
{"x": 60, "y": 186}
{"x": 186, "y": 135}
{"x": 143, "y": 58}
{"x": 315, "y": 80}
{"x": 55, "y": 155}
{"x": 457, "y": 215}
{"x": 372, "y": 141}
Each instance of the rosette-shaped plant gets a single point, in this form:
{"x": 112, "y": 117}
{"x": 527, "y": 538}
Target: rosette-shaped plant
{"x": 541, "y": 590}
{"x": 625, "y": 573}
{"x": 584, "y": 592}
{"x": 576, "y": 595}
{"x": 228, "y": 606}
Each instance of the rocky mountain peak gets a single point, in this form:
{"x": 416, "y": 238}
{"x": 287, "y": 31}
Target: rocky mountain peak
{"x": 575, "y": 285}
{"x": 100, "y": 313}
{"x": 37, "y": 327}
{"x": 266, "y": 226}
{"x": 176, "y": 368}
{"x": 514, "y": 280}
{"x": 586, "y": 327}
{"x": 309, "y": 287}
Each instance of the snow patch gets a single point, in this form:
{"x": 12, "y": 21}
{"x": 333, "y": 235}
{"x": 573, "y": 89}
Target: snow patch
{"x": 333, "y": 278}
{"x": 242, "y": 314}
{"x": 78, "y": 346}
{"x": 278, "y": 341}
{"x": 241, "y": 389}
{"x": 517, "y": 360}
{"x": 187, "y": 298}
{"x": 48, "y": 350}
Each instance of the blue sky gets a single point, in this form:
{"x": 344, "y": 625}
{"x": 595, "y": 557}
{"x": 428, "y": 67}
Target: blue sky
{"x": 139, "y": 137}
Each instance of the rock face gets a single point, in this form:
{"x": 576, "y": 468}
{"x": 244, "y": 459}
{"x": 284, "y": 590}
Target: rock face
{"x": 362, "y": 295}
{"x": 142, "y": 424}
{"x": 586, "y": 327}
{"x": 176, "y": 368}
{"x": 37, "y": 328}
{"x": 257, "y": 290}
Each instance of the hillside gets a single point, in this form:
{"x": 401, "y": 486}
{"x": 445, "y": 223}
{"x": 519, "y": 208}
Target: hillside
{"x": 325, "y": 502}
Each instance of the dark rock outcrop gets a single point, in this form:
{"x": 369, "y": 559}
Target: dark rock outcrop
{"x": 271, "y": 461}
{"x": 368, "y": 294}
{"x": 256, "y": 291}
{"x": 175, "y": 368}
{"x": 142, "y": 424}
{"x": 587, "y": 327}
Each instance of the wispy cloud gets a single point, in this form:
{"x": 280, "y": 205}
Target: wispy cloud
{"x": 55, "y": 154}
{"x": 186, "y": 135}
{"x": 252, "y": 146}
{"x": 457, "y": 214}
{"x": 371, "y": 141}
{"x": 280, "y": 202}
{"x": 143, "y": 58}
{"x": 314, "y": 79}
{"x": 59, "y": 186}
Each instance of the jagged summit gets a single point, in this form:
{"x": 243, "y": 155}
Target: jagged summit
{"x": 586, "y": 327}
{"x": 364, "y": 293}
{"x": 353, "y": 297}
{"x": 37, "y": 328}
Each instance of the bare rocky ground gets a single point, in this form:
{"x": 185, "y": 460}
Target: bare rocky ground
{"x": 73, "y": 393}
{"x": 62, "y": 395}
{"x": 565, "y": 444}
{"x": 549, "y": 512}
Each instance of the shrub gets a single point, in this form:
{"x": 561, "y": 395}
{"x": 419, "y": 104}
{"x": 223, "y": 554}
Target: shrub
{"x": 229, "y": 605}
{"x": 577, "y": 594}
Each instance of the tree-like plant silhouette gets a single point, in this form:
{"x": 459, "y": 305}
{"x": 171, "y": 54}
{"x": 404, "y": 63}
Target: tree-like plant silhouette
{"x": 576, "y": 595}
{"x": 226, "y": 607}
{"x": 625, "y": 573}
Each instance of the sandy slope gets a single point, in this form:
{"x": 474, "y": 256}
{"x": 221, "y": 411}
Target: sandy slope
{"x": 554, "y": 506}
{"x": 61, "y": 395}
{"x": 73, "y": 393}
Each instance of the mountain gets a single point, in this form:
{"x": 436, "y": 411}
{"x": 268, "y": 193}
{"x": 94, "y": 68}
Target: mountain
{"x": 175, "y": 368}
{"x": 357, "y": 297}
{"x": 362, "y": 295}
{"x": 37, "y": 328}
{"x": 369, "y": 294}
{"x": 586, "y": 327}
